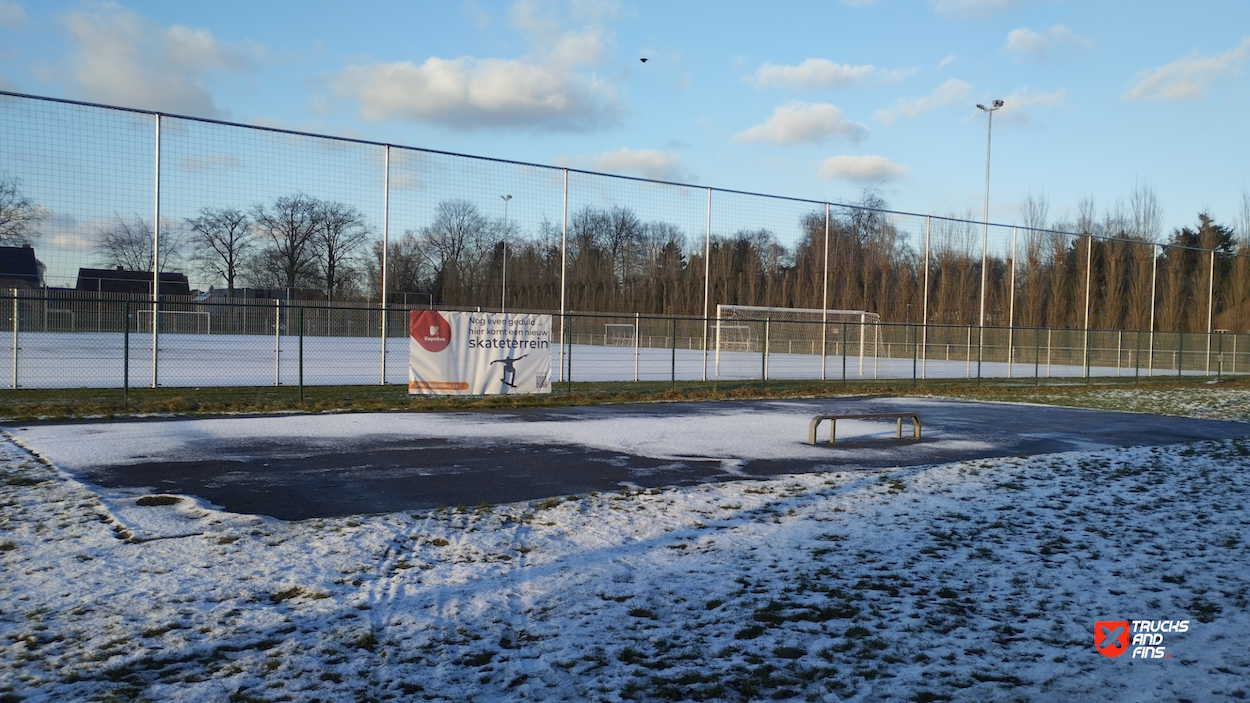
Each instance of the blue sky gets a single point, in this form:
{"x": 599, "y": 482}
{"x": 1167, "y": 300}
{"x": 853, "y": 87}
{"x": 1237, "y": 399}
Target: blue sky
{"x": 807, "y": 99}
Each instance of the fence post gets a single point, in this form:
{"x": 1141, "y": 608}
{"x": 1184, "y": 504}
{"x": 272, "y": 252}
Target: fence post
{"x": 673, "y": 349}
{"x": 764, "y": 357}
{"x": 915, "y": 340}
{"x": 301, "y": 354}
{"x": 843, "y": 353}
{"x": 277, "y": 342}
{"x": 16, "y": 324}
{"x": 1137, "y": 358}
{"x": 1180, "y": 353}
{"x": 126, "y": 354}
{"x": 568, "y": 356}
{"x": 1037, "y": 355}
{"x": 636, "y": 351}
{"x": 1219, "y": 357}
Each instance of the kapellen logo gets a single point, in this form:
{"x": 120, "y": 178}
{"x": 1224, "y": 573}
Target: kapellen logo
{"x": 430, "y": 329}
{"x": 1111, "y": 637}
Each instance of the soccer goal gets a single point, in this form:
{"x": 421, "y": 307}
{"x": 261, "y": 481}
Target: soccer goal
{"x": 619, "y": 335}
{"x": 795, "y": 331}
{"x": 176, "y": 321}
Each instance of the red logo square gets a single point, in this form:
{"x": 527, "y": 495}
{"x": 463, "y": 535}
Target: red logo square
{"x": 1111, "y": 637}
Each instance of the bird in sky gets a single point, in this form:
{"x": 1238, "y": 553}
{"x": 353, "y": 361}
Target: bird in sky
{"x": 643, "y": 60}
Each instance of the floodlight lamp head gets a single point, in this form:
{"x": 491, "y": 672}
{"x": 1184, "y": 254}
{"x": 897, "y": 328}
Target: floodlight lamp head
{"x": 506, "y": 197}
{"x": 998, "y": 104}
{"x": 981, "y": 106}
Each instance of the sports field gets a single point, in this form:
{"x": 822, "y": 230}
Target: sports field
{"x": 98, "y": 360}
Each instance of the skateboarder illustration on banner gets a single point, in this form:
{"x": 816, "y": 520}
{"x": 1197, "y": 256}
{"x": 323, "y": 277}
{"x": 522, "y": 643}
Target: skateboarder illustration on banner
{"x": 509, "y": 370}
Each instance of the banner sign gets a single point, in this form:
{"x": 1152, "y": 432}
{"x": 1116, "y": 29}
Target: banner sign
{"x": 478, "y": 353}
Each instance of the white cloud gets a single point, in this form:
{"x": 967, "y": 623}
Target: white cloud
{"x": 646, "y": 163}
{"x": 121, "y": 59}
{"x": 12, "y": 14}
{"x": 823, "y": 73}
{"x": 971, "y": 8}
{"x": 548, "y": 90}
{"x": 1018, "y": 107}
{"x": 799, "y": 122}
{"x": 1024, "y": 43}
{"x": 950, "y": 59}
{"x": 951, "y": 92}
{"x": 860, "y": 169}
{"x": 1188, "y": 78}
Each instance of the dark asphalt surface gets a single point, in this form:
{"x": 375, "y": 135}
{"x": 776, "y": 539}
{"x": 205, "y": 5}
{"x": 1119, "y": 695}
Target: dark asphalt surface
{"x": 417, "y": 474}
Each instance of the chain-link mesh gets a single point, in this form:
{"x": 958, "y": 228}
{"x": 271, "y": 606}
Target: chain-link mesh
{"x": 289, "y": 258}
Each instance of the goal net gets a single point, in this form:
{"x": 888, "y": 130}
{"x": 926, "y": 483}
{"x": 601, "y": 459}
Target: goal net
{"x": 754, "y": 328}
{"x": 619, "y": 334}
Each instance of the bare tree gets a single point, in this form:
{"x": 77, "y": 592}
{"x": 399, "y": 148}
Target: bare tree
{"x": 19, "y": 217}
{"x": 454, "y": 245}
{"x": 222, "y": 243}
{"x": 288, "y": 227}
{"x": 339, "y": 232}
{"x": 128, "y": 244}
{"x": 1145, "y": 213}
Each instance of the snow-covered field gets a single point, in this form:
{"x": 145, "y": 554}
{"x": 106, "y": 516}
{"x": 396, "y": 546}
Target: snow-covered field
{"x": 98, "y": 360}
{"x": 977, "y": 580}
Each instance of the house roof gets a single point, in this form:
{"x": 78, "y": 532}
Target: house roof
{"x": 120, "y": 280}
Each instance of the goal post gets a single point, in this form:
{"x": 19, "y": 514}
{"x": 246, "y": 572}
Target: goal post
{"x": 619, "y": 334}
{"x": 176, "y": 321}
{"x": 802, "y": 330}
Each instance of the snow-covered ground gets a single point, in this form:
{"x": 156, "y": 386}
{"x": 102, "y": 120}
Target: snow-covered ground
{"x": 98, "y": 360}
{"x": 975, "y": 580}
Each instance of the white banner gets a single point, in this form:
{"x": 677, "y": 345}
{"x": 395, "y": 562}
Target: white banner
{"x": 478, "y": 353}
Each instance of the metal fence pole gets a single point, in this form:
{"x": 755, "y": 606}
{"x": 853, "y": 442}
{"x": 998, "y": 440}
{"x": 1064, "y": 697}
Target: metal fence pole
{"x": 673, "y": 350}
{"x": 564, "y": 265}
{"x": 1011, "y": 306}
{"x": 636, "y": 343}
{"x": 1037, "y": 355}
{"x": 1154, "y": 276}
{"x": 126, "y": 352}
{"x": 824, "y": 301}
{"x": 569, "y": 355}
{"x": 386, "y": 211}
{"x": 1210, "y": 307}
{"x": 301, "y": 355}
{"x": 156, "y": 256}
{"x": 16, "y": 325}
{"x": 1089, "y": 260}
{"x": 707, "y": 278}
{"x": 924, "y": 344}
{"x": 277, "y": 342}
{"x": 764, "y": 355}
{"x": 844, "y": 353}
{"x": 1180, "y": 352}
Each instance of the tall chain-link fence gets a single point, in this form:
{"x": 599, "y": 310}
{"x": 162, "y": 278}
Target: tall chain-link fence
{"x": 285, "y": 257}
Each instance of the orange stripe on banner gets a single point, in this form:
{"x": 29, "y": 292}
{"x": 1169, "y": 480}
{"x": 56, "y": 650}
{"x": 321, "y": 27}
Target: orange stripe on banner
{"x": 437, "y": 386}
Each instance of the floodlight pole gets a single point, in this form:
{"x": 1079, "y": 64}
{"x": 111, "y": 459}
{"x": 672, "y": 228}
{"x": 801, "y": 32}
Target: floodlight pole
{"x": 503, "y": 295}
{"x": 985, "y": 231}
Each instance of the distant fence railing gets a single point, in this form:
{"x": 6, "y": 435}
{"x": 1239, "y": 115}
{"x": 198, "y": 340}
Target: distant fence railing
{"x": 59, "y": 340}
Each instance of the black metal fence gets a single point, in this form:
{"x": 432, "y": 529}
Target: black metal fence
{"x": 62, "y": 340}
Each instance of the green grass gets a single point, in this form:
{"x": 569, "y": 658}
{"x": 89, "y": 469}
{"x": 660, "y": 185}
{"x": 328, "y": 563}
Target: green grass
{"x": 22, "y": 404}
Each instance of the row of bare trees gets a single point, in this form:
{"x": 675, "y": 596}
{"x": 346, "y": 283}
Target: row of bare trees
{"x": 1098, "y": 270}
{"x": 1091, "y": 268}
{"x": 294, "y": 243}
